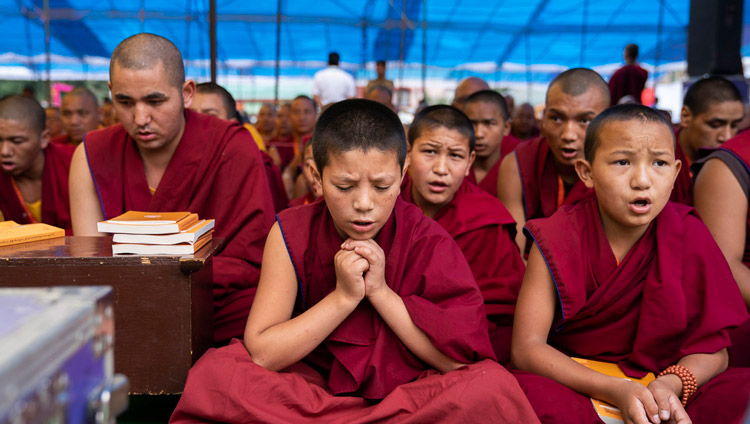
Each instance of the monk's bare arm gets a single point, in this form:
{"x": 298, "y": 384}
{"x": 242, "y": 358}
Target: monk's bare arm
{"x": 85, "y": 210}
{"x": 273, "y": 339}
{"x": 535, "y": 311}
{"x": 510, "y": 192}
{"x": 723, "y": 205}
{"x": 392, "y": 309}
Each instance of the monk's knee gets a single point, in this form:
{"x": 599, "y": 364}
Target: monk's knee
{"x": 555, "y": 403}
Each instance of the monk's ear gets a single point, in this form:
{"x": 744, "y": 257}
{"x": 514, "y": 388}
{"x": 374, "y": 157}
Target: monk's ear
{"x": 472, "y": 157}
{"x": 686, "y": 115}
{"x": 317, "y": 179}
{"x": 44, "y": 139}
{"x": 677, "y": 167}
{"x": 188, "y": 93}
{"x": 507, "y": 126}
{"x": 583, "y": 169}
{"x": 406, "y": 168}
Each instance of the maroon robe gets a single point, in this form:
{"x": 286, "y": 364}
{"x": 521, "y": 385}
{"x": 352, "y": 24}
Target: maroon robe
{"x": 683, "y": 185}
{"x": 55, "y": 203}
{"x": 216, "y": 172}
{"x": 275, "y": 184}
{"x": 362, "y": 359}
{"x": 485, "y": 231}
{"x": 62, "y": 140}
{"x": 305, "y": 199}
{"x": 285, "y": 147}
{"x": 489, "y": 182}
{"x": 672, "y": 295}
{"x": 739, "y": 146}
{"x": 627, "y": 81}
{"x": 540, "y": 184}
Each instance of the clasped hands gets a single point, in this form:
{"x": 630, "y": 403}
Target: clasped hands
{"x": 360, "y": 269}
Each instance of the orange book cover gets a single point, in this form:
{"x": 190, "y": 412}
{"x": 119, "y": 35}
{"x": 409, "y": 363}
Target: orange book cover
{"x": 135, "y": 222}
{"x": 15, "y": 234}
{"x": 609, "y": 413}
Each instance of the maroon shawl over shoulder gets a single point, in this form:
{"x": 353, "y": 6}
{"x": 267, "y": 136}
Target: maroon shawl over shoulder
{"x": 672, "y": 295}
{"x": 539, "y": 180}
{"x": 423, "y": 265}
{"x": 485, "y": 231}
{"x": 55, "y": 204}
{"x": 216, "y": 172}
{"x": 489, "y": 183}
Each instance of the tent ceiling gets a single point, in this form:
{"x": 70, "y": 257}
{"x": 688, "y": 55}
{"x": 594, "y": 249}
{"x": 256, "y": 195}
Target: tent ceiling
{"x": 499, "y": 39}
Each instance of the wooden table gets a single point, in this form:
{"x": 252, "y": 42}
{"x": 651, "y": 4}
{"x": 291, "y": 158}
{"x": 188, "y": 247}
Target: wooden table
{"x": 163, "y": 304}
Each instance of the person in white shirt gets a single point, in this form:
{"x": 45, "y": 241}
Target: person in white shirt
{"x": 333, "y": 84}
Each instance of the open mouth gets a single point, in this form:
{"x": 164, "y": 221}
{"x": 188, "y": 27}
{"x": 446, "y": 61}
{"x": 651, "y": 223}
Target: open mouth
{"x": 569, "y": 153}
{"x": 363, "y": 225}
{"x": 438, "y": 186}
{"x": 640, "y": 205}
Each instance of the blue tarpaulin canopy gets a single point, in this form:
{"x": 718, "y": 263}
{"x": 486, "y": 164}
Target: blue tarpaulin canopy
{"x": 503, "y": 41}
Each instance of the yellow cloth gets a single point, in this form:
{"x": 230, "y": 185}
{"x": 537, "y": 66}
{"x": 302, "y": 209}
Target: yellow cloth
{"x": 35, "y": 209}
{"x": 2, "y": 217}
{"x": 256, "y": 136}
{"x": 152, "y": 190}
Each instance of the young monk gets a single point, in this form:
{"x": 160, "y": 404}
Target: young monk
{"x": 629, "y": 278}
{"x": 711, "y": 113}
{"x": 441, "y": 151}
{"x": 34, "y": 178}
{"x": 539, "y": 176}
{"x": 366, "y": 310}
{"x": 304, "y": 186}
{"x": 301, "y": 119}
{"x": 722, "y": 189}
{"x": 79, "y": 114}
{"x": 488, "y": 112}
{"x": 164, "y": 157}
{"x": 213, "y": 99}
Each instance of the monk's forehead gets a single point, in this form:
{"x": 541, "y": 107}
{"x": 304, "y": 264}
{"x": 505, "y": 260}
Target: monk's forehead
{"x": 79, "y": 101}
{"x": 590, "y": 99}
{"x": 634, "y": 134}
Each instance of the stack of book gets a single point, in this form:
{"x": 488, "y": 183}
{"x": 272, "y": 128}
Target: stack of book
{"x": 157, "y": 233}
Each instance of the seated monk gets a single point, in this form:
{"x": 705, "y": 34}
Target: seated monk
{"x": 466, "y": 88}
{"x": 524, "y": 126}
{"x": 162, "y": 157}
{"x": 366, "y": 310}
{"x": 213, "y": 99}
{"x": 301, "y": 119}
{"x": 488, "y": 112}
{"x": 304, "y": 187}
{"x": 441, "y": 141}
{"x": 54, "y": 122}
{"x": 34, "y": 181}
{"x": 79, "y": 114}
{"x": 266, "y": 122}
{"x": 628, "y": 277}
{"x": 539, "y": 176}
{"x": 711, "y": 113}
{"x": 722, "y": 190}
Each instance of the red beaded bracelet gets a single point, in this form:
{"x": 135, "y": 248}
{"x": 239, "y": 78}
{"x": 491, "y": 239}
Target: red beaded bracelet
{"x": 689, "y": 384}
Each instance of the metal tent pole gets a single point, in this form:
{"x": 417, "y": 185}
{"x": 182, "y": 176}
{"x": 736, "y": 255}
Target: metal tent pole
{"x": 424, "y": 49}
{"x": 212, "y": 36}
{"x": 48, "y": 84}
{"x": 657, "y": 54}
{"x": 402, "y": 46}
{"x": 278, "y": 51}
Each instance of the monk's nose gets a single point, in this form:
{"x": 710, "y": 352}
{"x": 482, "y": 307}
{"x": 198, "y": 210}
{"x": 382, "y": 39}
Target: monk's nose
{"x": 725, "y": 134}
{"x": 141, "y": 115}
{"x": 569, "y": 131}
{"x": 363, "y": 201}
{"x": 439, "y": 166}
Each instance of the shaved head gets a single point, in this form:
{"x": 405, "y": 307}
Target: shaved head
{"x": 144, "y": 51}
{"x": 23, "y": 109}
{"x": 228, "y": 104}
{"x": 707, "y": 91}
{"x": 84, "y": 93}
{"x": 577, "y": 81}
{"x": 466, "y": 88}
